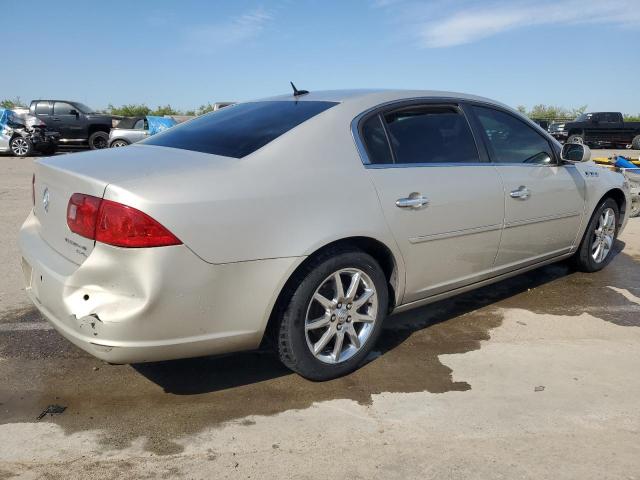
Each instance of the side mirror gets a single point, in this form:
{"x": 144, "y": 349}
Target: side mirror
{"x": 575, "y": 153}
{"x": 73, "y": 111}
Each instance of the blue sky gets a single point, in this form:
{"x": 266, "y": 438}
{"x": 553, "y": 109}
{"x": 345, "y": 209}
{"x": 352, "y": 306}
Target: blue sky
{"x": 521, "y": 52}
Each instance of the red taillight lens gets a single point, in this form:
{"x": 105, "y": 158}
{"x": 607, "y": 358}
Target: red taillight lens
{"x": 115, "y": 224}
{"x": 82, "y": 214}
{"x": 33, "y": 189}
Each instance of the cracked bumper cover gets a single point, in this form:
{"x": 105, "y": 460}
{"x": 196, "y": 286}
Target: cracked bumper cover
{"x": 149, "y": 304}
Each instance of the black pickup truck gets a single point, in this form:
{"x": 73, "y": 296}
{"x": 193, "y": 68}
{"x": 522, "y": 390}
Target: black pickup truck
{"x": 598, "y": 129}
{"x": 77, "y": 123}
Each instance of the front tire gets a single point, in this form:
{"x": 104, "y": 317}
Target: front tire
{"x": 635, "y": 143}
{"x": 98, "y": 140}
{"x": 596, "y": 247}
{"x": 21, "y": 147}
{"x": 334, "y": 314}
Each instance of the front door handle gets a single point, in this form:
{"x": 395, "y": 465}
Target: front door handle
{"x": 521, "y": 193}
{"x": 414, "y": 200}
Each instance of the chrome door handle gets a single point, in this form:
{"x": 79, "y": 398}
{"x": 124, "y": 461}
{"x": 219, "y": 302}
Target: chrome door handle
{"x": 521, "y": 193}
{"x": 415, "y": 200}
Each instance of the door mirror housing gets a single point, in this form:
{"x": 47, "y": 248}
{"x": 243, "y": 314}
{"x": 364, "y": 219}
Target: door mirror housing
{"x": 73, "y": 111}
{"x": 575, "y": 153}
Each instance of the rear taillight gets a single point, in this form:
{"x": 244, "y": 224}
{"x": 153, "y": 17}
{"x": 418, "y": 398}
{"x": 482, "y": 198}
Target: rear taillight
{"x": 33, "y": 190}
{"x": 116, "y": 224}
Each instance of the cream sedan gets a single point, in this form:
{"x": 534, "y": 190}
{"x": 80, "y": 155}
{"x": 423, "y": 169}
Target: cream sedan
{"x": 303, "y": 221}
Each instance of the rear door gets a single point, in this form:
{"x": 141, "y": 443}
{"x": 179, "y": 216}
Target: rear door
{"x": 43, "y": 110}
{"x": 544, "y": 201}
{"x": 442, "y": 200}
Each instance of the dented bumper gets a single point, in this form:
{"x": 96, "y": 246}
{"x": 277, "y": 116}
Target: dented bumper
{"x": 148, "y": 304}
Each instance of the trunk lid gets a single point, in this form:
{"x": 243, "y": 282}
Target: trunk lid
{"x": 53, "y": 188}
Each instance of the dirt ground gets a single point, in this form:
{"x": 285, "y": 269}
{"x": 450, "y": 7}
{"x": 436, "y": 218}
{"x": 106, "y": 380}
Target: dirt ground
{"x": 534, "y": 377}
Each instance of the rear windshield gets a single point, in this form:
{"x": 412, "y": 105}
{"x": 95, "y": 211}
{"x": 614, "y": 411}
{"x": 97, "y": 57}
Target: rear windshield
{"x": 239, "y": 130}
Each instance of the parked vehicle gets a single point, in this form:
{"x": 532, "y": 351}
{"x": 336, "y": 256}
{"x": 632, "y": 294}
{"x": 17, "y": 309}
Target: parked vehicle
{"x": 304, "y": 221}
{"x": 77, "y": 123}
{"x": 133, "y": 129}
{"x": 24, "y": 134}
{"x": 599, "y": 129}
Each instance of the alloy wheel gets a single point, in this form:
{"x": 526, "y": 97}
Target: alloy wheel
{"x": 19, "y": 146}
{"x": 339, "y": 321}
{"x": 603, "y": 235}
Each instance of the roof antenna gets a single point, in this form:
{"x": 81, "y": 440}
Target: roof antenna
{"x": 296, "y": 92}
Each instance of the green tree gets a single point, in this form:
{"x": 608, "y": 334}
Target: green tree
{"x": 132, "y": 110}
{"x": 165, "y": 110}
{"x": 631, "y": 118}
{"x": 11, "y": 103}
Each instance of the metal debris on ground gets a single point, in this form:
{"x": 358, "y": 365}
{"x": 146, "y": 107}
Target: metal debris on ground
{"x": 539, "y": 388}
{"x": 51, "y": 410}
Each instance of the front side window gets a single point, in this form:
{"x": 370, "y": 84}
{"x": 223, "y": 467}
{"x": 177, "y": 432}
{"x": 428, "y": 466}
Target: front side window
{"x": 239, "y": 130}
{"x": 511, "y": 140}
{"x": 61, "y": 108}
{"x": 139, "y": 124}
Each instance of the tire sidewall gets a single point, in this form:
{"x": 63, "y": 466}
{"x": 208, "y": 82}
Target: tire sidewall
{"x": 585, "y": 260}
{"x": 292, "y": 328}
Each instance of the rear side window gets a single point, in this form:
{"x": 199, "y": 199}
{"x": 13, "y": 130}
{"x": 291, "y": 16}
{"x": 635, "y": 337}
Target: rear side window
{"x": 239, "y": 130}
{"x": 430, "y": 135}
{"x": 511, "y": 140}
{"x": 376, "y": 142}
{"x": 42, "y": 108}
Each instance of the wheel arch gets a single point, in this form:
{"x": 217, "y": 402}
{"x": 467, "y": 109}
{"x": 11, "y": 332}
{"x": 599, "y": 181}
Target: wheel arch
{"x": 96, "y": 127}
{"x": 619, "y": 197}
{"x": 377, "y": 249}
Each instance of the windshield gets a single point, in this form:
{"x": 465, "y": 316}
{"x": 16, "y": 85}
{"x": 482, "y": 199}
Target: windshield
{"x": 83, "y": 108}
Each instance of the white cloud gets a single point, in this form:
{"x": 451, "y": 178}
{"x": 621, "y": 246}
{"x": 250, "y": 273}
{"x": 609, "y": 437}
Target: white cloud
{"x": 236, "y": 30}
{"x": 449, "y": 25}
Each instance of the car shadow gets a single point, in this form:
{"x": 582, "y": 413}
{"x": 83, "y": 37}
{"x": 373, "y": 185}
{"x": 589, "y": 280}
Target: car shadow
{"x": 217, "y": 373}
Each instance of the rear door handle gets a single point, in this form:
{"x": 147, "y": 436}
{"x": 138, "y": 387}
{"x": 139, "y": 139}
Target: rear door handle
{"x": 521, "y": 193}
{"x": 414, "y": 200}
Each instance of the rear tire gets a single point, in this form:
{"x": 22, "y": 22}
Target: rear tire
{"x": 317, "y": 336}
{"x": 635, "y": 143}
{"x": 98, "y": 140}
{"x": 119, "y": 143}
{"x": 21, "y": 147}
{"x": 601, "y": 233}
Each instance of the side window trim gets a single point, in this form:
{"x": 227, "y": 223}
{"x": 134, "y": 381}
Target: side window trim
{"x": 381, "y": 110}
{"x": 487, "y": 144}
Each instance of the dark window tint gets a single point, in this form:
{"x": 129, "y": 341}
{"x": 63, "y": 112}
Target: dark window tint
{"x": 430, "y": 135}
{"x": 42, "y": 108}
{"x": 376, "y": 141}
{"x": 241, "y": 129}
{"x": 61, "y": 108}
{"x": 511, "y": 140}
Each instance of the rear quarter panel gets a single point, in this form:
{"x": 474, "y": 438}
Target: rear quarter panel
{"x": 303, "y": 190}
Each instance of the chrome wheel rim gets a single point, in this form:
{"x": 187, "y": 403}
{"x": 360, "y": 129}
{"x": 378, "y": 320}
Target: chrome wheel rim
{"x": 20, "y": 146}
{"x": 119, "y": 144}
{"x": 603, "y": 235}
{"x": 577, "y": 140}
{"x": 339, "y": 321}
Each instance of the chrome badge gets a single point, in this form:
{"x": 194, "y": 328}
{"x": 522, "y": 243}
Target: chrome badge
{"x": 45, "y": 200}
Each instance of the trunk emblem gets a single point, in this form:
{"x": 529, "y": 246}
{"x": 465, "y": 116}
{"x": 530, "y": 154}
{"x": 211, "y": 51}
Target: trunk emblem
{"x": 45, "y": 200}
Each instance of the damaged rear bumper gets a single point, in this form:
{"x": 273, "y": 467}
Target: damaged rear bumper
{"x": 149, "y": 304}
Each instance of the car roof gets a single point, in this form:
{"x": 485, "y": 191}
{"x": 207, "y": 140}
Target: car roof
{"x": 378, "y": 96}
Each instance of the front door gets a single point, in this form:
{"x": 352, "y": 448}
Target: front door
{"x": 544, "y": 201}
{"x": 68, "y": 121}
{"x": 442, "y": 202}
